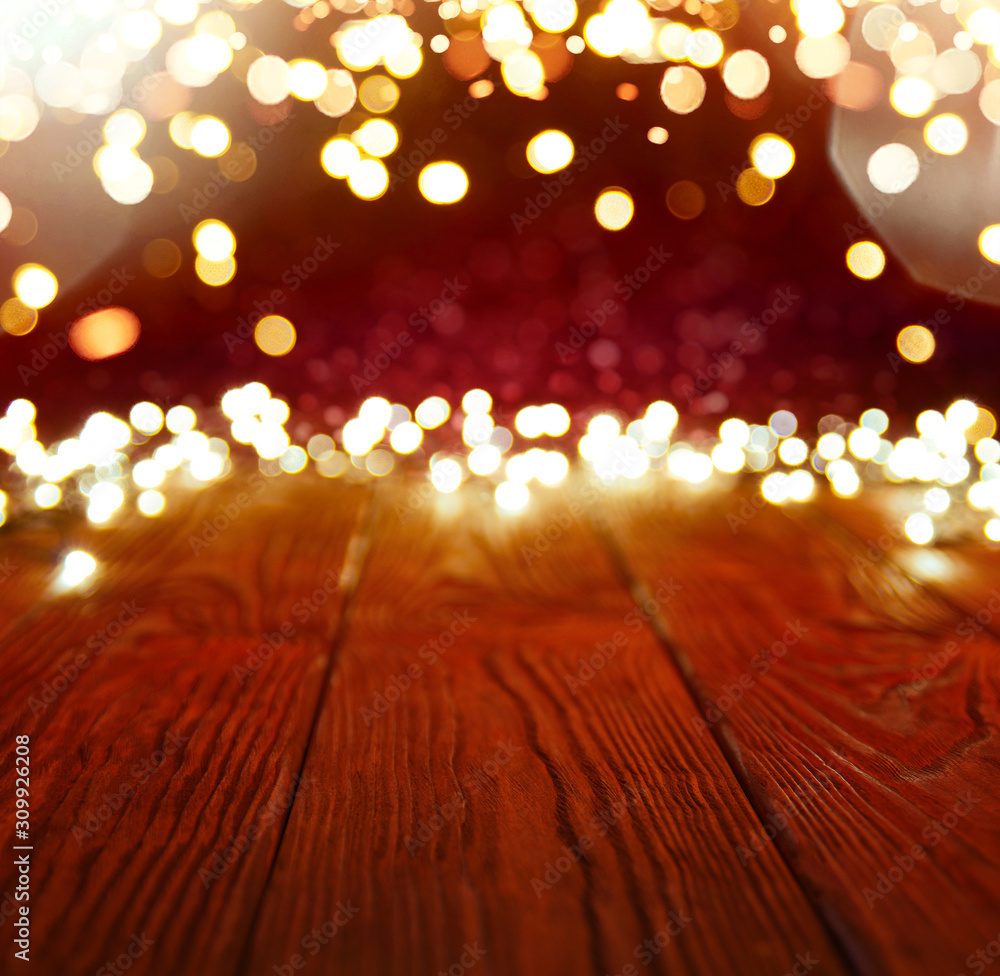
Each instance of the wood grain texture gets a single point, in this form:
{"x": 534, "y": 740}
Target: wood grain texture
{"x": 875, "y": 743}
{"x": 158, "y": 741}
{"x": 965, "y": 574}
{"x": 448, "y": 796}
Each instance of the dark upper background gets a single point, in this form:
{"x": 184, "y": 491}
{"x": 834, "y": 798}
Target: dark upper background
{"x": 830, "y": 353}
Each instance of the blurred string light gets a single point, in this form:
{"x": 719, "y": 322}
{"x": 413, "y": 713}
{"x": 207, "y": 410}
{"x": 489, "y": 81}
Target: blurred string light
{"x": 116, "y": 466}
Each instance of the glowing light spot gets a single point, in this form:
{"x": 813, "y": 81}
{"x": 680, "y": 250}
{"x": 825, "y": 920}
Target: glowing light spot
{"x": 915, "y": 343}
{"x": 523, "y": 72}
{"x": 77, "y": 567}
{"x": 946, "y": 134}
{"x": 754, "y": 188}
{"x": 919, "y": 528}
{"x": 876, "y": 420}
{"x": 269, "y": 79}
{"x": 772, "y": 156}
{"x": 378, "y": 137}
{"x": 147, "y": 418}
{"x": 682, "y": 89}
{"x": 830, "y": 446}
{"x": 339, "y": 158}
{"x": 180, "y": 419}
{"x": 550, "y": 151}
{"x": 912, "y": 97}
{"x": 126, "y": 127}
{"x": 215, "y": 273}
{"x": 746, "y": 74}
{"x": 274, "y": 335}
{"x": 210, "y": 136}
{"x": 443, "y": 183}
{"x": 554, "y": 16}
{"x": 864, "y": 443}
{"x": 614, "y": 209}
{"x": 657, "y": 135}
{"x": 432, "y": 412}
{"x": 962, "y": 414}
{"x": 369, "y": 179}
{"x": 406, "y": 437}
{"x": 512, "y": 496}
{"x": 446, "y": 475}
{"x": 105, "y": 333}
{"x": 866, "y": 260}
{"x": 213, "y": 240}
{"x": 893, "y": 168}
{"x": 151, "y": 503}
{"x": 34, "y": 285}
{"x": 47, "y": 496}
{"x": 989, "y": 243}
{"x": 818, "y": 18}
{"x": 16, "y": 318}
{"x": 306, "y": 79}
{"x": 703, "y": 48}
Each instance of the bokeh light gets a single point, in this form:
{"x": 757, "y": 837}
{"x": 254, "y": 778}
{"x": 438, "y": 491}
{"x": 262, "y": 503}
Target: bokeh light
{"x": 866, "y": 259}
{"x": 274, "y": 335}
{"x": 915, "y": 343}
{"x": 614, "y": 208}
{"x": 443, "y": 182}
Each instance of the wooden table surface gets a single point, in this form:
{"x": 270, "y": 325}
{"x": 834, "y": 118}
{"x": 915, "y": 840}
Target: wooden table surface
{"x": 628, "y": 731}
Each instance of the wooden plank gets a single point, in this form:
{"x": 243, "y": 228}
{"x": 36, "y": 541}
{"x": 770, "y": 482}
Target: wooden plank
{"x": 965, "y": 573}
{"x": 807, "y": 673}
{"x": 474, "y": 800}
{"x": 164, "y": 732}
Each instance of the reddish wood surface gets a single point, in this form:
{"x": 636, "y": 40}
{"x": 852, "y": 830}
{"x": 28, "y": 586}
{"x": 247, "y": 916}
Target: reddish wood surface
{"x": 624, "y": 737}
{"x": 842, "y": 737}
{"x": 154, "y": 753}
{"x": 885, "y": 757}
